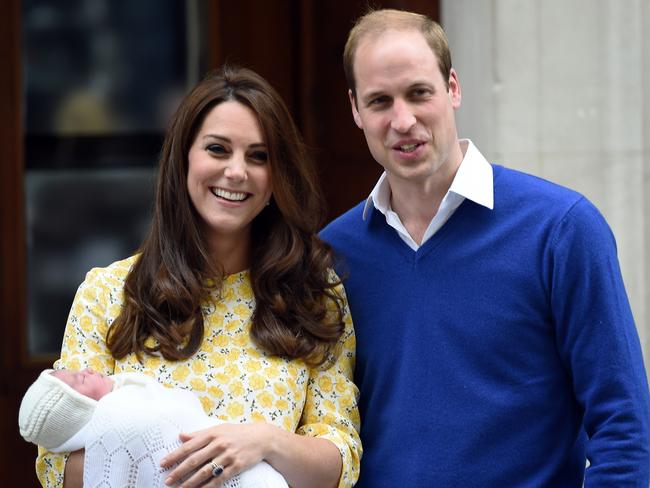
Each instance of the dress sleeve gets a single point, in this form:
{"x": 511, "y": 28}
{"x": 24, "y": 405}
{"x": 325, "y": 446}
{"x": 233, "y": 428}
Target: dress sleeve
{"x": 331, "y": 410}
{"x": 95, "y": 305}
{"x": 599, "y": 345}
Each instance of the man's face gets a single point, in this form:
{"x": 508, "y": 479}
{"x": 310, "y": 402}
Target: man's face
{"x": 405, "y": 108}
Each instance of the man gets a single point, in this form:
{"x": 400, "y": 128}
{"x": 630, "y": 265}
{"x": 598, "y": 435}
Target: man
{"x": 496, "y": 346}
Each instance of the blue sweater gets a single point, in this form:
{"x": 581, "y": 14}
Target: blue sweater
{"x": 502, "y": 353}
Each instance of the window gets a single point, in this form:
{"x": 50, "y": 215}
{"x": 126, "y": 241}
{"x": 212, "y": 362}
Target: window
{"x": 101, "y": 80}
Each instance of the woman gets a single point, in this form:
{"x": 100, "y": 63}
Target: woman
{"x": 231, "y": 296}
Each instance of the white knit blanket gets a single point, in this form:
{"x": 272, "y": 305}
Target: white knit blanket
{"x": 136, "y": 425}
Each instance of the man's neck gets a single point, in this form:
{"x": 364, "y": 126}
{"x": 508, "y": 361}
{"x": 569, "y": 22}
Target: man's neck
{"x": 416, "y": 202}
{"x": 416, "y": 206}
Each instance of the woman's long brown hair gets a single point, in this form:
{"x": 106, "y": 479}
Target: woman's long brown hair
{"x": 290, "y": 265}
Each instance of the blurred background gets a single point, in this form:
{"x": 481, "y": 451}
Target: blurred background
{"x": 557, "y": 88}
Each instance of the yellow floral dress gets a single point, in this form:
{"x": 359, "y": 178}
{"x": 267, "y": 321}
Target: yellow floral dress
{"x": 235, "y": 380}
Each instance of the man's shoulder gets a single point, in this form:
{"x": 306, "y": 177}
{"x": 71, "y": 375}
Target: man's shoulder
{"x": 512, "y": 183}
{"x": 545, "y": 201}
{"x": 344, "y": 223}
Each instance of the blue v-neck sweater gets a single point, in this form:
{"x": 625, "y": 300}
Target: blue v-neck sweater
{"x": 502, "y": 353}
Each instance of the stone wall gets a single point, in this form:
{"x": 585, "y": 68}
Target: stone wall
{"x": 561, "y": 89}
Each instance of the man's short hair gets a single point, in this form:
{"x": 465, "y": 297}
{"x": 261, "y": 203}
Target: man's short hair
{"x": 375, "y": 22}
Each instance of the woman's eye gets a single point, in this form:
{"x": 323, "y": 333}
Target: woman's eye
{"x": 260, "y": 156}
{"x": 216, "y": 149}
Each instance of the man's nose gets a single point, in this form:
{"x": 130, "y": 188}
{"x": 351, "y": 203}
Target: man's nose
{"x": 403, "y": 118}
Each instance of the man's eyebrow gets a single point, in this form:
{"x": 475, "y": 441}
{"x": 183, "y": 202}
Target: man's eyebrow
{"x": 422, "y": 84}
{"x": 372, "y": 95}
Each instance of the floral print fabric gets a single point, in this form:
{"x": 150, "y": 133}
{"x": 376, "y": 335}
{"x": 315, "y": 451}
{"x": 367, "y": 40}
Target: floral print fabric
{"x": 235, "y": 380}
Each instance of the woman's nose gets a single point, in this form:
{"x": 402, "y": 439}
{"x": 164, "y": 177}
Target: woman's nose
{"x": 236, "y": 168}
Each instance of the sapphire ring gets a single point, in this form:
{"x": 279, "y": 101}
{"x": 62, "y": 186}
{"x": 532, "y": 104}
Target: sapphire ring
{"x": 217, "y": 469}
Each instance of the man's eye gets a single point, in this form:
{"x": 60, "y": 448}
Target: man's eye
{"x": 421, "y": 92}
{"x": 378, "y": 101}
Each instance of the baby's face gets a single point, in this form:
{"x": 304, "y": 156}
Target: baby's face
{"x": 87, "y": 382}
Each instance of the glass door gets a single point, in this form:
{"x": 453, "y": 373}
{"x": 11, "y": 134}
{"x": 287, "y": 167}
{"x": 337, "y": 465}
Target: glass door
{"x": 101, "y": 79}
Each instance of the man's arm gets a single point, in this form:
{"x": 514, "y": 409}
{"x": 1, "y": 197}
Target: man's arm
{"x": 599, "y": 345}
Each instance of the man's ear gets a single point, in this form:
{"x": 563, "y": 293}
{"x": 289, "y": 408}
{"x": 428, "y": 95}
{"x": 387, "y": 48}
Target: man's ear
{"x": 455, "y": 94}
{"x": 355, "y": 110}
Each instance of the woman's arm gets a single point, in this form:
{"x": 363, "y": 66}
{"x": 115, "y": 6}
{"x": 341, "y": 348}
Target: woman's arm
{"x": 330, "y": 411}
{"x": 303, "y": 461}
{"x": 74, "y": 470}
{"x": 83, "y": 346}
{"x": 325, "y": 450}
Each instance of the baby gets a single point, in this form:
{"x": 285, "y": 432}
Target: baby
{"x": 126, "y": 423}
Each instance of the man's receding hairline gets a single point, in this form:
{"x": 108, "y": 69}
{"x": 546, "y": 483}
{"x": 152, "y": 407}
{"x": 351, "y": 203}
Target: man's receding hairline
{"x": 376, "y": 33}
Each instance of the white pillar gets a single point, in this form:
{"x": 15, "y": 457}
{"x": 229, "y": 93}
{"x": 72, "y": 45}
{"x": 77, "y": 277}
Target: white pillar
{"x": 561, "y": 89}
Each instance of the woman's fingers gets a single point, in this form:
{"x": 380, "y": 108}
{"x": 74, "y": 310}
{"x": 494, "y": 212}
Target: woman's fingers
{"x": 233, "y": 448}
{"x": 190, "y": 457}
{"x": 213, "y": 474}
{"x": 208, "y": 475}
{"x": 191, "y": 443}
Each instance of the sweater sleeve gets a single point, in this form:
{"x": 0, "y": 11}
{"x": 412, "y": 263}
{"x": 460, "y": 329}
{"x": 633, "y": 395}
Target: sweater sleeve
{"x": 331, "y": 410}
{"x": 598, "y": 343}
{"x": 93, "y": 308}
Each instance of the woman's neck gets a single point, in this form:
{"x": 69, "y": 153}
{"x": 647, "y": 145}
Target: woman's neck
{"x": 232, "y": 254}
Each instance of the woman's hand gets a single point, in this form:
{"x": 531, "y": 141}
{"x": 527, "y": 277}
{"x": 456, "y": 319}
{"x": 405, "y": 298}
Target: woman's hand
{"x": 74, "y": 470}
{"x": 235, "y": 447}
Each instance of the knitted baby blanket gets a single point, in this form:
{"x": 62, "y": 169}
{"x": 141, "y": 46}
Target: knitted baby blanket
{"x": 136, "y": 425}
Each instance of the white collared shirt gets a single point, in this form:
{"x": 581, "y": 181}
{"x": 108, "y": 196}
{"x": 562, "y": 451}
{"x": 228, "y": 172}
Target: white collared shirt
{"x": 473, "y": 181}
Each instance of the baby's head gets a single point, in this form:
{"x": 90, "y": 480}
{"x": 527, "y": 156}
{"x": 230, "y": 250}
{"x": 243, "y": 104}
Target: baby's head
{"x": 58, "y": 404}
{"x": 87, "y": 382}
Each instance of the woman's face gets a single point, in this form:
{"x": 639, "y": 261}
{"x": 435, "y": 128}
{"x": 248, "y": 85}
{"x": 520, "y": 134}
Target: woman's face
{"x": 229, "y": 175}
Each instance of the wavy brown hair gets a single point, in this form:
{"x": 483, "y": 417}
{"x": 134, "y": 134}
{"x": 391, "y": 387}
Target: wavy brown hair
{"x": 298, "y": 312}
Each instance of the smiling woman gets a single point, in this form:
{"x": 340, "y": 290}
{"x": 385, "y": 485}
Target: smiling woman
{"x": 231, "y": 296}
{"x": 229, "y": 178}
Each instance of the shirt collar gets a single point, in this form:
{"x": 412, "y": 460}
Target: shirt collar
{"x": 473, "y": 180}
